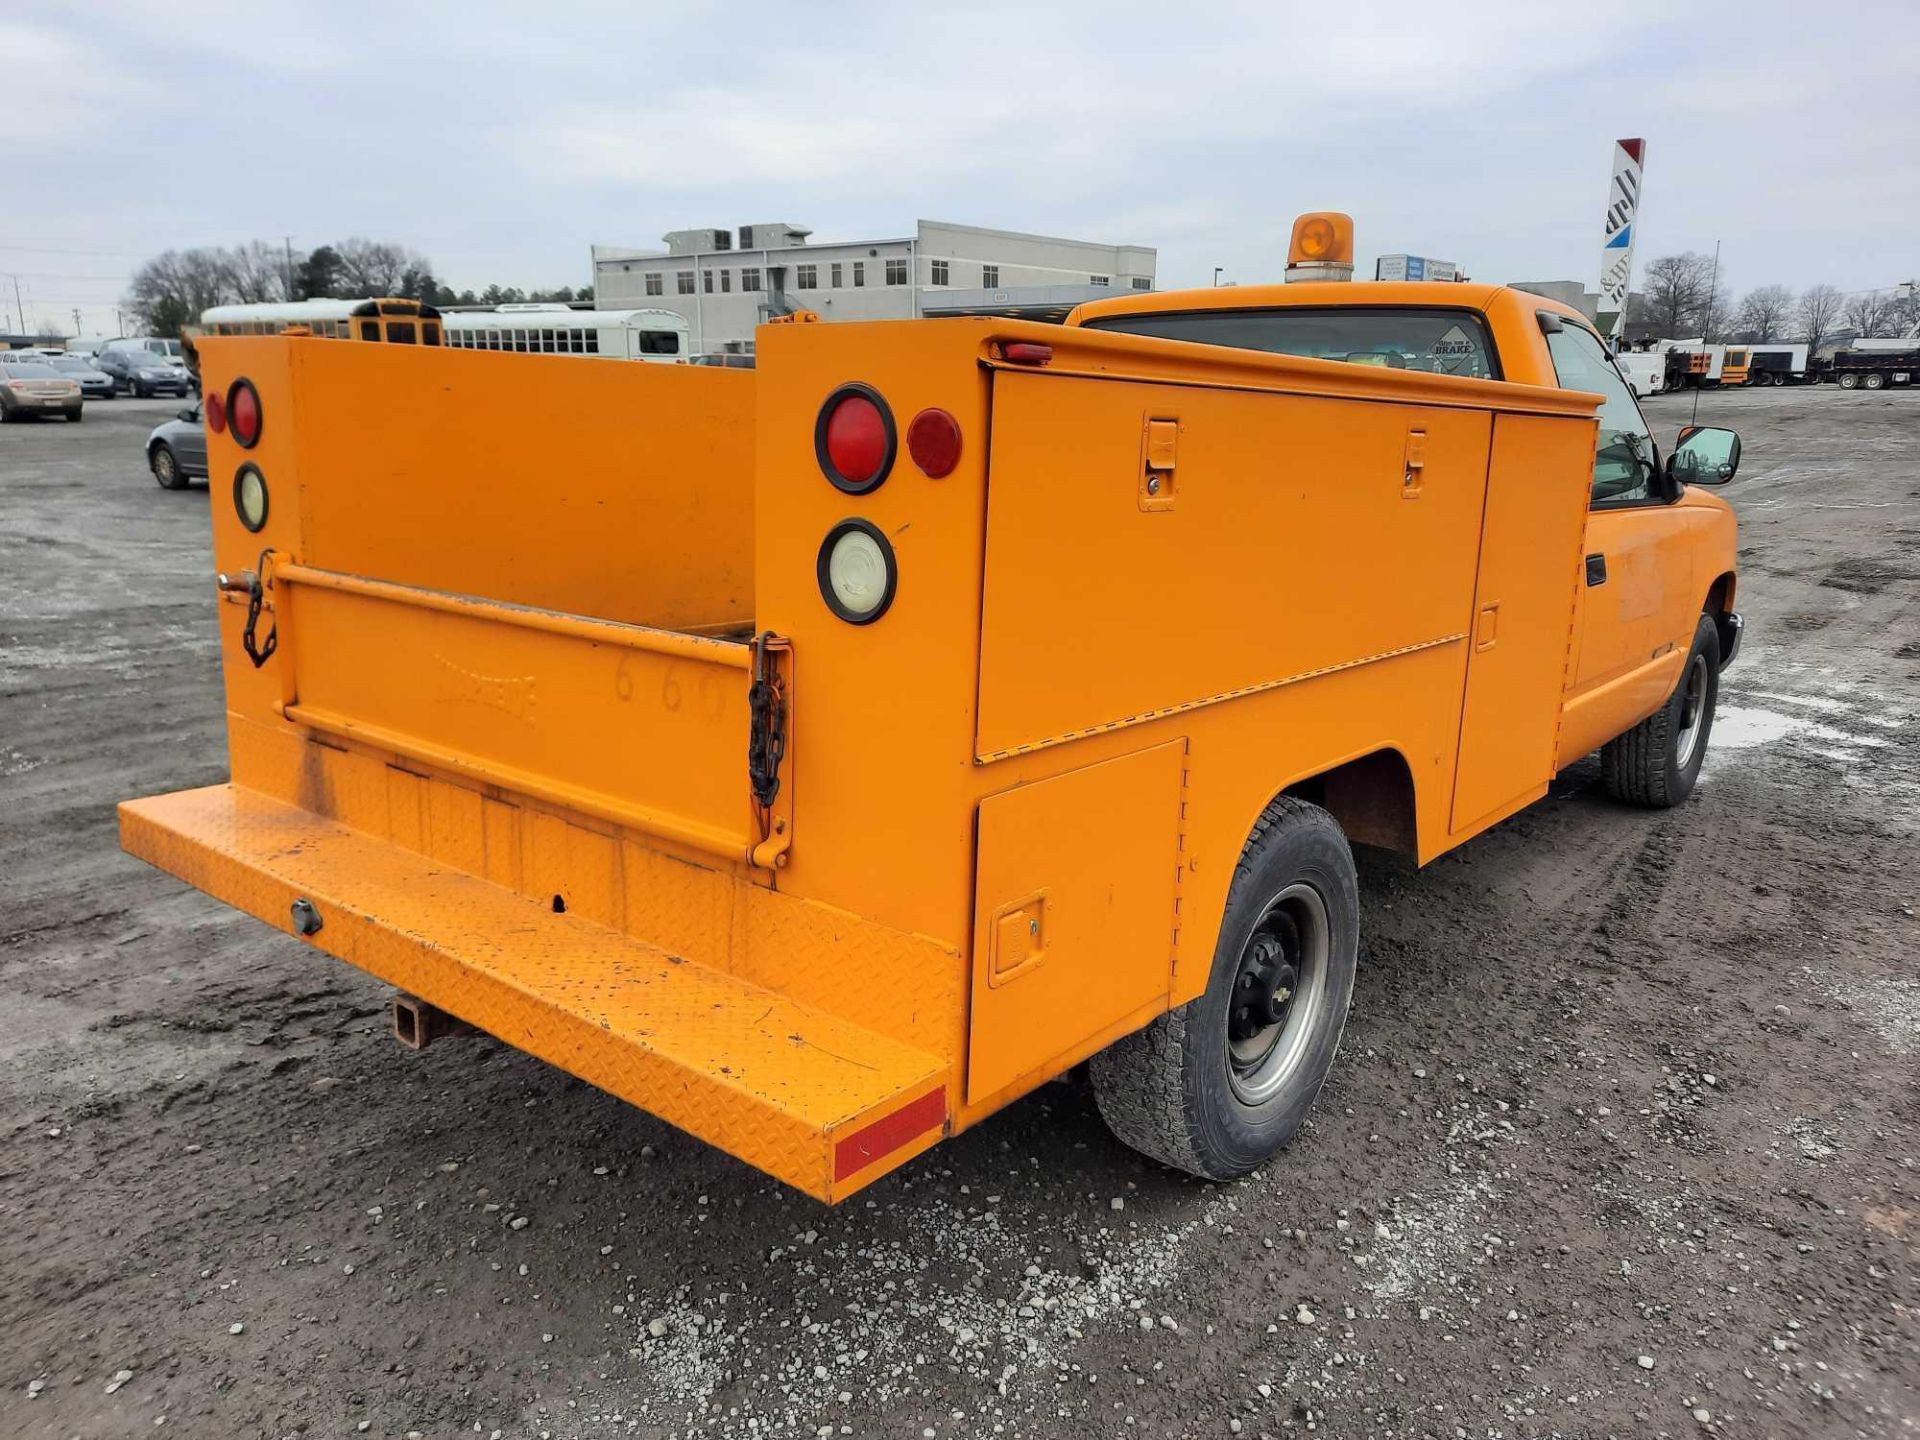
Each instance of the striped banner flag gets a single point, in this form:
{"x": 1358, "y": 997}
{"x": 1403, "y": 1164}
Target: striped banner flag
{"x": 1616, "y": 249}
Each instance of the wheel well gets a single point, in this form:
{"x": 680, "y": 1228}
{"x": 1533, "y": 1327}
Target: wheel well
{"x": 1372, "y": 797}
{"x": 1720, "y": 606}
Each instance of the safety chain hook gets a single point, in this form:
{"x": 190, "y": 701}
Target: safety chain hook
{"x": 767, "y": 735}
{"x": 259, "y": 652}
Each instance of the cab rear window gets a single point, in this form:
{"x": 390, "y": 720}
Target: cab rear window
{"x": 1437, "y": 341}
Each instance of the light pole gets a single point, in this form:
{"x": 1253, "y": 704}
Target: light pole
{"x": 1216, "y": 273}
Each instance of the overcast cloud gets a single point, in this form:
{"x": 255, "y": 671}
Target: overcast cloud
{"x": 502, "y": 140}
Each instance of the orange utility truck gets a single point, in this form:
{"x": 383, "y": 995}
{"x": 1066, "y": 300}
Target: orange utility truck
{"x": 823, "y": 756}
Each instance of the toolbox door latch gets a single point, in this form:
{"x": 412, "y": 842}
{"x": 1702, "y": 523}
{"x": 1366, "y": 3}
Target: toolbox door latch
{"x": 1159, "y": 447}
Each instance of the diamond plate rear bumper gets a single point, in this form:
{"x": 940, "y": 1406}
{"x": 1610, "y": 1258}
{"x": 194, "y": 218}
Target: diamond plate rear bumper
{"x": 817, "y": 1101}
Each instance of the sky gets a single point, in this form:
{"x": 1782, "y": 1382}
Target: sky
{"x": 501, "y": 141}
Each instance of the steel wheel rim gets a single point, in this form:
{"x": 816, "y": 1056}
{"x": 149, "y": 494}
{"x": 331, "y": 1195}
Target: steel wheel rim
{"x": 1693, "y": 705}
{"x": 1260, "y": 1063}
{"x": 163, "y": 464}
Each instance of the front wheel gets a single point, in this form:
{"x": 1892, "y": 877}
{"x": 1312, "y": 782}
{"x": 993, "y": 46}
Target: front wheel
{"x": 1219, "y": 1085}
{"x": 1656, "y": 763}
{"x": 75, "y": 414}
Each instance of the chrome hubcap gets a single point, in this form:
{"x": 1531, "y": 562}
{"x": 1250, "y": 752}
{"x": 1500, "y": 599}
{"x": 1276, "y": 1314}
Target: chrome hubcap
{"x": 1280, "y": 985}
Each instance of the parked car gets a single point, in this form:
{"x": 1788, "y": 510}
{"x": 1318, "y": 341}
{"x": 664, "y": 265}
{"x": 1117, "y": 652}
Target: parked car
{"x": 33, "y": 387}
{"x": 142, "y": 372}
{"x": 95, "y": 383}
{"x": 177, "y": 450}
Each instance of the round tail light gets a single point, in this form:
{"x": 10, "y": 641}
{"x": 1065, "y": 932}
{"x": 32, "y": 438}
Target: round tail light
{"x": 933, "y": 439}
{"x": 243, "y": 413}
{"x": 857, "y": 572}
{"x": 854, "y": 438}
{"x": 250, "y": 496}
{"x": 216, "y": 412}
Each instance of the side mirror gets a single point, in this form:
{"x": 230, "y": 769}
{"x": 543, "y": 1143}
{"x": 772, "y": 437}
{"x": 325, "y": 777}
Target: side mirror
{"x": 188, "y": 415}
{"x": 1704, "y": 455}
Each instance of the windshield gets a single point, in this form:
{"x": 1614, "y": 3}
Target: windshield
{"x": 71, "y": 364}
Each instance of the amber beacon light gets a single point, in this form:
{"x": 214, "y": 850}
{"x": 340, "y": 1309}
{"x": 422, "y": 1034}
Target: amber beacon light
{"x": 1322, "y": 247}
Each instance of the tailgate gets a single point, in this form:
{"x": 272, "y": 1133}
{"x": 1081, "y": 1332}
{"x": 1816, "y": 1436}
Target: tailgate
{"x": 535, "y": 577}
{"x": 641, "y": 727}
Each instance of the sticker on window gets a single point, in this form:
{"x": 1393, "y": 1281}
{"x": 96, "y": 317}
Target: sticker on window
{"x": 1456, "y": 353}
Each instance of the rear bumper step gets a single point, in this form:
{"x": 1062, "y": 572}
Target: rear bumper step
{"x": 816, "y": 1101}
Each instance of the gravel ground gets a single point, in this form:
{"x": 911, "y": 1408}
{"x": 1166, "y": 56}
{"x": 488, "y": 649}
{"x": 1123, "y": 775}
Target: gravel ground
{"x": 1622, "y": 1140}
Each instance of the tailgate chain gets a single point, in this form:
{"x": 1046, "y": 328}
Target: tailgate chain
{"x": 260, "y": 652}
{"x": 767, "y": 734}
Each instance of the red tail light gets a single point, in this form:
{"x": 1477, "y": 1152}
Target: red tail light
{"x": 216, "y": 412}
{"x": 1026, "y": 352}
{"x": 854, "y": 438}
{"x": 243, "y": 412}
{"x": 933, "y": 439}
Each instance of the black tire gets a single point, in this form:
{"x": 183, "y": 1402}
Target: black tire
{"x": 1656, "y": 763}
{"x": 76, "y": 414}
{"x": 166, "y": 467}
{"x": 1180, "y": 1091}
{"x": 1849, "y": 381}
{"x": 1875, "y": 381}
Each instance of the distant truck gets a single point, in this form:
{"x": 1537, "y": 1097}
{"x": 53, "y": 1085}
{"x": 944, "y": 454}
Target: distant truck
{"x": 1874, "y": 364}
{"x": 1644, "y": 371}
{"x": 1777, "y": 364}
{"x": 1697, "y": 366}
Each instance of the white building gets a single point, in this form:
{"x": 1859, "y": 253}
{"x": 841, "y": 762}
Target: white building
{"x": 726, "y": 285}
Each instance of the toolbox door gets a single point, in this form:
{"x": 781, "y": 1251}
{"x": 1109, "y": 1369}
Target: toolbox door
{"x": 1522, "y": 621}
{"x": 1073, "y": 915}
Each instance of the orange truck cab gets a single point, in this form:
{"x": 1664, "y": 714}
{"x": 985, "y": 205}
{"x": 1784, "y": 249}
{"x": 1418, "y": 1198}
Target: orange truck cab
{"x": 823, "y": 756}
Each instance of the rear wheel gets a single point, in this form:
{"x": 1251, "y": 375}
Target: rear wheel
{"x": 166, "y": 468}
{"x": 1875, "y": 381}
{"x": 1849, "y": 382}
{"x": 1656, "y": 763}
{"x": 1219, "y": 1085}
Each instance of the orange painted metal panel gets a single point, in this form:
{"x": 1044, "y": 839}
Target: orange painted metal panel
{"x": 1523, "y": 612}
{"x": 1098, "y": 612}
{"x": 1068, "y": 940}
{"x": 617, "y": 491}
{"x": 598, "y": 717}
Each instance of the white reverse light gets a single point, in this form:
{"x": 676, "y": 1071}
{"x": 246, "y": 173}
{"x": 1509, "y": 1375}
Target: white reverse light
{"x": 856, "y": 571}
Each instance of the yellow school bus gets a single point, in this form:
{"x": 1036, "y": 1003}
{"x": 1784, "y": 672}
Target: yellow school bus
{"x": 822, "y": 757}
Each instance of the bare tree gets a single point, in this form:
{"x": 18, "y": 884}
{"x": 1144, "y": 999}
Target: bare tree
{"x": 374, "y": 267}
{"x": 1906, "y": 307}
{"x": 1764, "y": 313}
{"x": 171, "y": 290}
{"x": 257, "y": 273}
{"x": 1679, "y": 294}
{"x": 1870, "y": 313}
{"x": 1819, "y": 309}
